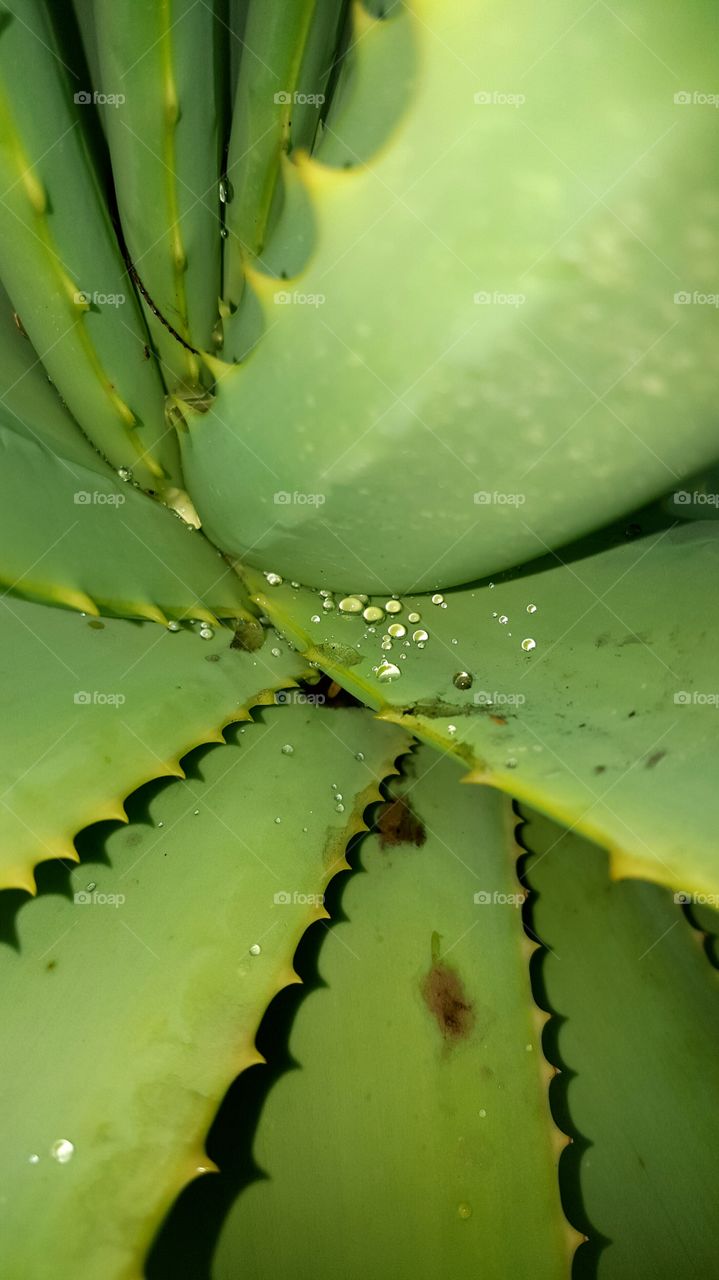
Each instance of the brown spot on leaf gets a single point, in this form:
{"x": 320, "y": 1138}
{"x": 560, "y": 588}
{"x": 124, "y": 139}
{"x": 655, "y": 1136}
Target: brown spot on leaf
{"x": 446, "y": 999}
{"x": 498, "y": 719}
{"x": 397, "y": 824}
{"x": 654, "y": 759}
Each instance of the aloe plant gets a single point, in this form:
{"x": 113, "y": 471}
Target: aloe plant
{"x": 357, "y": 413}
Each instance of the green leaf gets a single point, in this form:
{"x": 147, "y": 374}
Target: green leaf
{"x": 29, "y": 403}
{"x": 60, "y": 262}
{"x": 639, "y": 1031}
{"x": 273, "y": 43}
{"x": 98, "y": 708}
{"x": 419, "y": 1119}
{"x": 608, "y": 724}
{"x": 165, "y": 148}
{"x": 72, "y": 533}
{"x": 484, "y": 354}
{"x": 189, "y": 923}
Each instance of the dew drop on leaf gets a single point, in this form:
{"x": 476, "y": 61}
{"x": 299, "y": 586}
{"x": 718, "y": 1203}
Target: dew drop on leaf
{"x": 62, "y": 1150}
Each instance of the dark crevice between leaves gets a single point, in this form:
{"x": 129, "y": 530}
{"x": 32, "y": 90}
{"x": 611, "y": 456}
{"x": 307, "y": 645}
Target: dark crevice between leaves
{"x": 186, "y": 1242}
{"x": 585, "y": 1262}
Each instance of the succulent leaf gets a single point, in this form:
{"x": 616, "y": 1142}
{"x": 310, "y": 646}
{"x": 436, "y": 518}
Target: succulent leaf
{"x": 97, "y": 709}
{"x": 165, "y": 148}
{"x": 60, "y": 261}
{"x": 395, "y": 1147}
{"x": 639, "y": 1034}
{"x": 591, "y": 692}
{"x": 183, "y": 967}
{"x": 455, "y": 379}
{"x": 89, "y": 541}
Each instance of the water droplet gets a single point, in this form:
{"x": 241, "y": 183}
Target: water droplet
{"x": 277, "y": 821}
{"x": 420, "y": 636}
{"x": 511, "y": 763}
{"x": 195, "y": 811}
{"x": 173, "y": 626}
{"x": 531, "y": 608}
{"x": 351, "y": 604}
{"x": 226, "y": 191}
{"x": 386, "y": 643}
{"x": 124, "y": 473}
{"x": 451, "y": 729}
{"x": 529, "y": 644}
{"x": 413, "y": 617}
{"x": 503, "y": 618}
{"x": 443, "y": 604}
{"x": 482, "y": 1112}
{"x": 462, "y": 680}
{"x": 62, "y": 1150}
{"x": 455, "y": 641}
{"x": 397, "y": 630}
{"x": 33, "y": 1159}
{"x": 296, "y": 585}
{"x": 315, "y": 618}
{"x": 387, "y": 671}
{"x": 373, "y": 613}
{"x": 274, "y": 579}
{"x": 339, "y": 808}
{"x": 362, "y": 599}
{"x": 328, "y": 604}
{"x": 255, "y": 949}
{"x": 224, "y": 232}
{"x": 465, "y": 1210}
{"x": 160, "y": 824}
{"x": 206, "y": 632}
{"x": 421, "y": 644}
{"x": 359, "y": 755}
{"x": 393, "y": 606}
{"x": 288, "y": 749}
{"x": 90, "y": 888}
{"x": 437, "y": 599}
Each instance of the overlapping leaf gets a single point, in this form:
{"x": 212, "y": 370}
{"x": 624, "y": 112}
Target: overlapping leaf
{"x": 191, "y": 921}
{"x": 593, "y": 692}
{"x": 93, "y": 709}
{"x": 419, "y": 1117}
